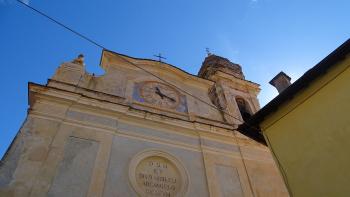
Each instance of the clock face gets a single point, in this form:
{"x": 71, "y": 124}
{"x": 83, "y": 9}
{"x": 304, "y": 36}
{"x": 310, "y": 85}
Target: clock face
{"x": 160, "y": 94}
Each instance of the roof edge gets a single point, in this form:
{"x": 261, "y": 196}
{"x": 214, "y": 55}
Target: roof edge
{"x": 151, "y": 60}
{"x": 307, "y": 78}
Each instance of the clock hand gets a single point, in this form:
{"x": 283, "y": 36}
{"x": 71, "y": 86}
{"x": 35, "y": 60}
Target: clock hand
{"x": 163, "y": 95}
{"x": 159, "y": 93}
{"x": 171, "y": 99}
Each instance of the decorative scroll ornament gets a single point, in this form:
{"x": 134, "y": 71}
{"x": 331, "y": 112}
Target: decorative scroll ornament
{"x": 217, "y": 97}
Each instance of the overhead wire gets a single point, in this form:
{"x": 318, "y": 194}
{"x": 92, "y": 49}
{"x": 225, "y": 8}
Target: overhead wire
{"x": 60, "y": 24}
{"x": 125, "y": 59}
{"x": 137, "y": 66}
{"x": 180, "y": 89}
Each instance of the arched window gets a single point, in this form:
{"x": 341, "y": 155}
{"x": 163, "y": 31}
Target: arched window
{"x": 243, "y": 108}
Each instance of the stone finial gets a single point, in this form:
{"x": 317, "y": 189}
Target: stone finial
{"x": 281, "y": 81}
{"x": 79, "y": 60}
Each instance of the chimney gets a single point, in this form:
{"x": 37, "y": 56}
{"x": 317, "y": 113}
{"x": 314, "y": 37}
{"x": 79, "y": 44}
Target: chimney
{"x": 281, "y": 81}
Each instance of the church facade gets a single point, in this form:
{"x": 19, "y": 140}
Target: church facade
{"x": 132, "y": 133}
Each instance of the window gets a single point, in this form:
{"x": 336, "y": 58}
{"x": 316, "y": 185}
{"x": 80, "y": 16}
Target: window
{"x": 243, "y": 108}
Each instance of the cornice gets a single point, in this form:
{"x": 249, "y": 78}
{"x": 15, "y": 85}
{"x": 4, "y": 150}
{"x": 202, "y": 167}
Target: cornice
{"x": 126, "y": 112}
{"x": 117, "y": 109}
{"x": 248, "y": 84}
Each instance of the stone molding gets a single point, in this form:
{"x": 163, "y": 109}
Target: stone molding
{"x": 41, "y": 94}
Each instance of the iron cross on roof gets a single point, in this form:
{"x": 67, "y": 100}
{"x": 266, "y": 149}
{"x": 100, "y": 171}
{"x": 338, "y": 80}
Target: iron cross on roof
{"x": 160, "y": 57}
{"x": 208, "y": 51}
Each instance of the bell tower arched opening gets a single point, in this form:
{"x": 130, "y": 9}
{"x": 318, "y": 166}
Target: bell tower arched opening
{"x": 244, "y": 108}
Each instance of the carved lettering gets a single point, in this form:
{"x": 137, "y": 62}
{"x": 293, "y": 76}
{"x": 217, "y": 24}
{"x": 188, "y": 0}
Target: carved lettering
{"x": 157, "y": 176}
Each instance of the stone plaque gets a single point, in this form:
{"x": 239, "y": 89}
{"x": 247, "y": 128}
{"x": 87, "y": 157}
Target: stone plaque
{"x": 156, "y": 173}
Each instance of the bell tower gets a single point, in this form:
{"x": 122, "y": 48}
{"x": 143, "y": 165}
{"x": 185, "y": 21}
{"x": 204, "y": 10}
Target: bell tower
{"x": 235, "y": 96}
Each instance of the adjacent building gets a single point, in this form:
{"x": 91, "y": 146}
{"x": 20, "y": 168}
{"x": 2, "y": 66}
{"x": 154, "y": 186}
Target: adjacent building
{"x": 307, "y": 127}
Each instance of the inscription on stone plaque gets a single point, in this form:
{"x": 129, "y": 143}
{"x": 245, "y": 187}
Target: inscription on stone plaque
{"x": 157, "y": 175}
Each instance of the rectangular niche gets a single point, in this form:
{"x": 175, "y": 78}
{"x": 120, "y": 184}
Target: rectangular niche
{"x": 74, "y": 171}
{"x": 228, "y": 181}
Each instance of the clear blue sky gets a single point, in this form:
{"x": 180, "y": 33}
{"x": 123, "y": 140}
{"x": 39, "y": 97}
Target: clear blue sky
{"x": 264, "y": 36}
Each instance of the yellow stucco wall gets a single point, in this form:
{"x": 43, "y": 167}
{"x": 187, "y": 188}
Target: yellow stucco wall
{"x": 310, "y": 136}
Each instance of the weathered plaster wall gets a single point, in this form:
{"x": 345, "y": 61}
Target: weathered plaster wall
{"x": 82, "y": 132}
{"x": 73, "y": 174}
{"x": 121, "y": 77}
